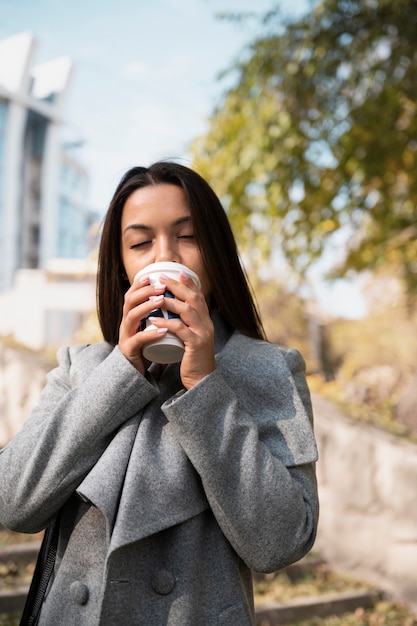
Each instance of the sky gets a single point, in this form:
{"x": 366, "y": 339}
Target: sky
{"x": 145, "y": 76}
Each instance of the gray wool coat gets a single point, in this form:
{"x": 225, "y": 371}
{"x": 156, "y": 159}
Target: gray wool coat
{"x": 174, "y": 496}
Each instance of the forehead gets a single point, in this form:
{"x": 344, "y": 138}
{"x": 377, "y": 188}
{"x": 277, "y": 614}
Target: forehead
{"x": 155, "y": 201}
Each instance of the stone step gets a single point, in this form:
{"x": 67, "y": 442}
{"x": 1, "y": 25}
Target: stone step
{"x": 13, "y": 600}
{"x": 322, "y": 606}
{"x": 20, "y": 553}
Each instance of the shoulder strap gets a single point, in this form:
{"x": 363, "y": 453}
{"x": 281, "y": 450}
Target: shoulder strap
{"x": 42, "y": 574}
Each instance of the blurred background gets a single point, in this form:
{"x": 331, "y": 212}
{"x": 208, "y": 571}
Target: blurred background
{"x": 302, "y": 116}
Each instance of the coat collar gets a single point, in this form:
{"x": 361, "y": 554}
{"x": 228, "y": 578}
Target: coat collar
{"x": 144, "y": 482}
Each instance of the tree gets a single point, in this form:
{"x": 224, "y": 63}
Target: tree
{"x": 318, "y": 138}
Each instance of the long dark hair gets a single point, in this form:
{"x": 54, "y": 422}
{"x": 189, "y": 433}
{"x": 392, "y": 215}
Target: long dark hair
{"x": 231, "y": 292}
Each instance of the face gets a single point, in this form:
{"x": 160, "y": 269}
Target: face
{"x": 156, "y": 226}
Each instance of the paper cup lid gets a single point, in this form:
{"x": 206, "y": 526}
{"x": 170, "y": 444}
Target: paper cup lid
{"x": 169, "y": 268}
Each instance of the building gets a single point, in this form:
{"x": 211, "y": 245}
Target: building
{"x": 44, "y": 216}
{"x": 47, "y": 308}
{"x": 43, "y": 189}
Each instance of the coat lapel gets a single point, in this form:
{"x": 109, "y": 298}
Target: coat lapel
{"x": 144, "y": 482}
{"x": 103, "y": 483}
{"x": 161, "y": 488}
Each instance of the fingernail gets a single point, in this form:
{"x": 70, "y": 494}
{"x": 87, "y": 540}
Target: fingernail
{"x": 156, "y": 298}
{"x": 143, "y": 279}
{"x": 161, "y": 331}
{"x": 185, "y": 275}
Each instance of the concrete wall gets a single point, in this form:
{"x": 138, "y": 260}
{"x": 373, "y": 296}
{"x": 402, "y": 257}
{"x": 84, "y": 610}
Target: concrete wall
{"x": 368, "y": 498}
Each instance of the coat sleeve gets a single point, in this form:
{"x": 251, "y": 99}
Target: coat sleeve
{"x": 66, "y": 434}
{"x": 253, "y": 446}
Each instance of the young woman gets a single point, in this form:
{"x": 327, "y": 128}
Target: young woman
{"x": 168, "y": 484}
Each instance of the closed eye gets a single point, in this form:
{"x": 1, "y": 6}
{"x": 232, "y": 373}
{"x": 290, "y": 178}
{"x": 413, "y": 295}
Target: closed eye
{"x": 141, "y": 244}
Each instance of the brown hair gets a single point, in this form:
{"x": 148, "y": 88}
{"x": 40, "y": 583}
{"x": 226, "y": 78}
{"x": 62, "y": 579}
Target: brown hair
{"x": 231, "y": 292}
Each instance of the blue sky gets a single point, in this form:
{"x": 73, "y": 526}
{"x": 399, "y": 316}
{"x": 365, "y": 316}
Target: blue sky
{"x": 145, "y": 80}
{"x": 145, "y": 73}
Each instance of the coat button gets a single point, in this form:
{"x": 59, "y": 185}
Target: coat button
{"x": 79, "y": 592}
{"x": 163, "y": 582}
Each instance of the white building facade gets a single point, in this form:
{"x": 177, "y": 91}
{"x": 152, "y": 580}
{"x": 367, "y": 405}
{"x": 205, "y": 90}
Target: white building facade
{"x": 47, "y": 308}
{"x": 43, "y": 189}
{"x": 45, "y": 222}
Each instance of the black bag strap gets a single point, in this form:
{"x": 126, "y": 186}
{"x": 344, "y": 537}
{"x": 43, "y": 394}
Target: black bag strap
{"x": 42, "y": 574}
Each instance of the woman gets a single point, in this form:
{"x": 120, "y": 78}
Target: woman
{"x": 174, "y": 482}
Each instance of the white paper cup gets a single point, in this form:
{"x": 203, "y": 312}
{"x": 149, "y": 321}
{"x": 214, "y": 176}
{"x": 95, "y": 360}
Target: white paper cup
{"x": 169, "y": 348}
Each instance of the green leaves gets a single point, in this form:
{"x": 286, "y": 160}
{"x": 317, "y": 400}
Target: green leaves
{"x": 319, "y": 133}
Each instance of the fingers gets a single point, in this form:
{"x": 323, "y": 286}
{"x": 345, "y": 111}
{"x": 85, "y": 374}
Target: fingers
{"x": 193, "y": 324}
{"x": 188, "y": 300}
{"x": 140, "y": 300}
{"x": 194, "y": 327}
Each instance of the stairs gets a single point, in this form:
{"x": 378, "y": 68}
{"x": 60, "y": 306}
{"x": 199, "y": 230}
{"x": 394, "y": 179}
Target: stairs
{"x": 321, "y": 604}
{"x": 272, "y": 614}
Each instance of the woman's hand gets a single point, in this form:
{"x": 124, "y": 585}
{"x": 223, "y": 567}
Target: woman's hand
{"x": 137, "y": 306}
{"x": 194, "y": 327}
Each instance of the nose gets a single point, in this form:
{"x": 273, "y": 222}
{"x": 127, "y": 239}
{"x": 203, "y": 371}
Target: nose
{"x": 166, "y": 249}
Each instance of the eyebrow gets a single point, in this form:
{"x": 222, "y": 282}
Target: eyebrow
{"x": 178, "y": 222}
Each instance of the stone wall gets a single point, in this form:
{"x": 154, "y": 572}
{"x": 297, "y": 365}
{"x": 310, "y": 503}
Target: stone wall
{"x": 368, "y": 502}
{"x": 22, "y": 377}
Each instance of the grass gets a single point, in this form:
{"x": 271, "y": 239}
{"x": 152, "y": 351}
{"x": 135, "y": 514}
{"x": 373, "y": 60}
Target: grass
{"x": 319, "y": 579}
{"x": 384, "y": 614}
{"x": 316, "y": 580}
{"x": 380, "y": 414}
{"x": 8, "y": 537}
{"x": 12, "y": 619}
{"x": 13, "y": 574}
